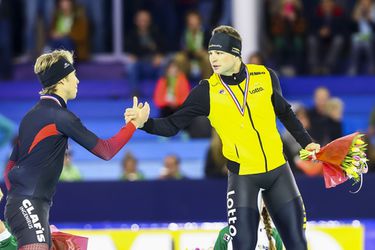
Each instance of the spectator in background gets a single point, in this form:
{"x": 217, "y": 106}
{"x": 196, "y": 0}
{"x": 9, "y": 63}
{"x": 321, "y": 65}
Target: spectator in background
{"x": 267, "y": 235}
{"x": 170, "y": 93}
{"x": 70, "y": 29}
{"x": 318, "y": 118}
{"x": 287, "y": 30}
{"x": 292, "y": 148}
{"x": 226, "y": 13}
{"x": 35, "y": 9}
{"x": 334, "y": 110}
{"x": 130, "y": 168}
{"x": 205, "y": 9}
{"x": 221, "y": 13}
{"x": 7, "y": 241}
{"x": 182, "y": 8}
{"x": 6, "y": 67}
{"x": 7, "y": 129}
{"x": 216, "y": 164}
{"x": 98, "y": 31}
{"x": 371, "y": 140}
{"x": 363, "y": 21}
{"x": 171, "y": 168}
{"x": 193, "y": 59}
{"x": 371, "y": 128}
{"x": 165, "y": 16}
{"x": 256, "y": 58}
{"x": 171, "y": 90}
{"x": 69, "y": 172}
{"x": 326, "y": 38}
{"x": 145, "y": 50}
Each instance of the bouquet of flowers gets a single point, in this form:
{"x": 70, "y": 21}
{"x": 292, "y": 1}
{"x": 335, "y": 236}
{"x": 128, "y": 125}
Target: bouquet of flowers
{"x": 342, "y": 159}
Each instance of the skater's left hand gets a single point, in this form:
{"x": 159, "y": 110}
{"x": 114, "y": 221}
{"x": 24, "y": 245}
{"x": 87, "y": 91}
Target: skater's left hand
{"x": 313, "y": 147}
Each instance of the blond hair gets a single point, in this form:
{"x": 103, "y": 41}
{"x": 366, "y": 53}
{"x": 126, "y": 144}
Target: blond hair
{"x": 229, "y": 30}
{"x": 46, "y": 60}
{"x": 334, "y": 108}
{"x": 268, "y": 227}
{"x": 334, "y": 104}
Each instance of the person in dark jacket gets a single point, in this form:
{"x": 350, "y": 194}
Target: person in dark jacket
{"x": 144, "y": 46}
{"x": 36, "y": 162}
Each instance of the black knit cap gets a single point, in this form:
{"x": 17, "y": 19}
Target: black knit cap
{"x": 55, "y": 72}
{"x": 224, "y": 42}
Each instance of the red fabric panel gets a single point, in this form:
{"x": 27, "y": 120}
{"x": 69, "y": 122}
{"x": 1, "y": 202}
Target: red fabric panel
{"x": 106, "y": 149}
{"x": 45, "y": 132}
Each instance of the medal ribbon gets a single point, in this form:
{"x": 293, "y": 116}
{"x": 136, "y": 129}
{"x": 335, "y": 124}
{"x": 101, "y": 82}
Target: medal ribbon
{"x": 234, "y": 98}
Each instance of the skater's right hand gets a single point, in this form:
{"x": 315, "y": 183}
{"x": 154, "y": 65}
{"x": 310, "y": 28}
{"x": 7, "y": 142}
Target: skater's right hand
{"x": 138, "y": 114}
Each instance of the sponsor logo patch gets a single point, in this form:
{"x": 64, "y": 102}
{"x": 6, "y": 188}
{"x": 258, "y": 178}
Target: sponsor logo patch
{"x": 32, "y": 219}
{"x": 231, "y": 213}
{"x": 256, "y": 90}
{"x": 257, "y": 73}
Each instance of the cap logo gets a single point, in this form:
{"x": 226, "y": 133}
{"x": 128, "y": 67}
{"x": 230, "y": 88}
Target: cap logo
{"x": 215, "y": 45}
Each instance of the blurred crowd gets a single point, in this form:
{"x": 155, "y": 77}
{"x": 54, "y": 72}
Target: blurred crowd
{"x": 169, "y": 169}
{"x": 322, "y": 37}
{"x": 297, "y": 36}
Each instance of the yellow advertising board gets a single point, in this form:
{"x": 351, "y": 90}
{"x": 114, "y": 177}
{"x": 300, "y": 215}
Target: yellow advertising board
{"x": 320, "y": 237}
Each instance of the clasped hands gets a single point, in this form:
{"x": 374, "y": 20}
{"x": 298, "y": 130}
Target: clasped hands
{"x": 138, "y": 114}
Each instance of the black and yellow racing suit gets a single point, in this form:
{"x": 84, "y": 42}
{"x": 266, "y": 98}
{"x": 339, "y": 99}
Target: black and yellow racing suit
{"x": 243, "y": 110}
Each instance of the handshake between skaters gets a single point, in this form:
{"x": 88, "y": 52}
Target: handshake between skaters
{"x": 138, "y": 114}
